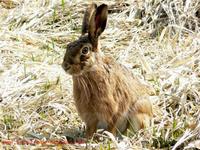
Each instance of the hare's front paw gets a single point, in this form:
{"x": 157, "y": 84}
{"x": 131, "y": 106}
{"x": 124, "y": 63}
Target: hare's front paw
{"x": 112, "y": 125}
{"x": 91, "y": 128}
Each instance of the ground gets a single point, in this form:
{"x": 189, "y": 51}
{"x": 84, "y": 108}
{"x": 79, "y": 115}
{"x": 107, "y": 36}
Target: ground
{"x": 158, "y": 40}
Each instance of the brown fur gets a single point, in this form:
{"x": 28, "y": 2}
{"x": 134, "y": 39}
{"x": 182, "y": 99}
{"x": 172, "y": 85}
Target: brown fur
{"x": 109, "y": 93}
{"x": 106, "y": 93}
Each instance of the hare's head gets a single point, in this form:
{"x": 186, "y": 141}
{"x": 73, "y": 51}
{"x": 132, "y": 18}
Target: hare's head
{"x": 80, "y": 54}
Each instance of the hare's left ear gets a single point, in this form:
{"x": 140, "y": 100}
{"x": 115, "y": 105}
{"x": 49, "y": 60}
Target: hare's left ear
{"x": 97, "y": 23}
{"x": 87, "y": 17}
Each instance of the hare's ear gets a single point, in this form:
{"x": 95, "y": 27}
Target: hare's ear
{"x": 97, "y": 23}
{"x": 87, "y": 17}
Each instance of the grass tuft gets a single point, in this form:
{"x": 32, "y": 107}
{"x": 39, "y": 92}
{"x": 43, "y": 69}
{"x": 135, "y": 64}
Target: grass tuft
{"x": 158, "y": 40}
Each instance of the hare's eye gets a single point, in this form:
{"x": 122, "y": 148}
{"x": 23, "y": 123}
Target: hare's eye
{"x": 85, "y": 50}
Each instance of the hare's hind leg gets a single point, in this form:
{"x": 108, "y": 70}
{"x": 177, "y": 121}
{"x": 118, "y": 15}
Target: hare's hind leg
{"x": 141, "y": 114}
{"x": 139, "y": 121}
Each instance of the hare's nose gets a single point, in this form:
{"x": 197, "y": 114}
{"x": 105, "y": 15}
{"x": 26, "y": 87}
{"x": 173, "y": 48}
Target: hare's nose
{"x": 65, "y": 66}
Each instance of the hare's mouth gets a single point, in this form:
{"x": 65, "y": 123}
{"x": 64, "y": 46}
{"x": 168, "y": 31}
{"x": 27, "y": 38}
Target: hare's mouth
{"x": 72, "y": 69}
{"x": 77, "y": 69}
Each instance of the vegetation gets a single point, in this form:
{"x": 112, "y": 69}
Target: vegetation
{"x": 159, "y": 40}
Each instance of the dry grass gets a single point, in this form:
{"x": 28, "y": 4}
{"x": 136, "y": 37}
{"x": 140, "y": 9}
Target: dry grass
{"x": 158, "y": 40}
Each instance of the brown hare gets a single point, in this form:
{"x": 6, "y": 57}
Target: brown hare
{"x": 106, "y": 93}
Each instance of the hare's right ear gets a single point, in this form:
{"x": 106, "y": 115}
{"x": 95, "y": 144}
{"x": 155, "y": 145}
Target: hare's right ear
{"x": 87, "y": 16}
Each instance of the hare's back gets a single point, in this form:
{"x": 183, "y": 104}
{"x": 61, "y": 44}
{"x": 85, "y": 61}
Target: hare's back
{"x": 124, "y": 77}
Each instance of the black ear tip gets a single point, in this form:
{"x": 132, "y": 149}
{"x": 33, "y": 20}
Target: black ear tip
{"x": 103, "y": 6}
